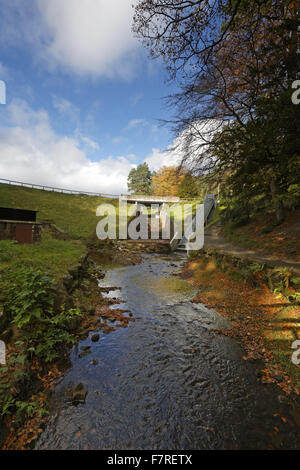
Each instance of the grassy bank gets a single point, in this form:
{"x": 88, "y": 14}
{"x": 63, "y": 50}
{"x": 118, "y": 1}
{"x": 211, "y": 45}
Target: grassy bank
{"x": 263, "y": 236}
{"x": 73, "y": 213}
{"x": 36, "y": 325}
{"x": 51, "y": 255}
{"x": 265, "y": 322}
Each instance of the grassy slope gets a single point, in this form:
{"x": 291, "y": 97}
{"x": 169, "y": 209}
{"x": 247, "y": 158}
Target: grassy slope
{"x": 52, "y": 256}
{"x": 281, "y": 242}
{"x": 74, "y": 214}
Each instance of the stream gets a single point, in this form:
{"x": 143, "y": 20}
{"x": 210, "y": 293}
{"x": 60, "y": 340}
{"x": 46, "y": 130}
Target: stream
{"x": 167, "y": 381}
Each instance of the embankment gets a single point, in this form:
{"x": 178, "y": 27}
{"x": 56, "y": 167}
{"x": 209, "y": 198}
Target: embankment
{"x": 262, "y": 303}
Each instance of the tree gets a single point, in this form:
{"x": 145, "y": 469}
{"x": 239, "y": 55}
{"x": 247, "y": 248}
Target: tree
{"x": 235, "y": 61}
{"x": 167, "y": 180}
{"x": 140, "y": 180}
{"x": 189, "y": 187}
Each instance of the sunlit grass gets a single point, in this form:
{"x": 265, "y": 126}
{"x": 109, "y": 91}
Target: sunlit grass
{"x": 53, "y": 256}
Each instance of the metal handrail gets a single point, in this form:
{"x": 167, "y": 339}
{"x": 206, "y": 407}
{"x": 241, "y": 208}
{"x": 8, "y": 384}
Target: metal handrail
{"x": 209, "y": 204}
{"x": 53, "y": 189}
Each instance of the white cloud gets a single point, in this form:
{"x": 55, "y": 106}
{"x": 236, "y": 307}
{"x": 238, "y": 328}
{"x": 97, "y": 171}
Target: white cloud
{"x": 159, "y": 158}
{"x": 198, "y": 134}
{"x": 66, "y": 108}
{"x": 136, "y": 123}
{"x": 85, "y": 37}
{"x": 170, "y": 157}
{"x": 90, "y": 37}
{"x": 90, "y": 143}
{"x": 32, "y": 152}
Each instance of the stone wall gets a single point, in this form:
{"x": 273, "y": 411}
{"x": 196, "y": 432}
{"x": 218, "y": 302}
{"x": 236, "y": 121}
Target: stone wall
{"x": 7, "y": 231}
{"x": 37, "y": 233}
{"x": 279, "y": 279}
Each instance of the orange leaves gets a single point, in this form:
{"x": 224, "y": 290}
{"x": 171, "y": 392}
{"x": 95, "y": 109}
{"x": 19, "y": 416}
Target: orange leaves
{"x": 166, "y": 181}
{"x": 24, "y": 437}
{"x": 252, "y": 312}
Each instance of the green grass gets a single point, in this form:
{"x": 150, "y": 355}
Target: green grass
{"x": 75, "y": 214}
{"x": 52, "y": 256}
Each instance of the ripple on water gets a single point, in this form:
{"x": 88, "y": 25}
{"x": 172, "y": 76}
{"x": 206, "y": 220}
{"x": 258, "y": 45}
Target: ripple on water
{"x": 167, "y": 382}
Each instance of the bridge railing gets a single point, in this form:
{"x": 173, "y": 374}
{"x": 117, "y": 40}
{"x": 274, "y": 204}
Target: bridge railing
{"x": 209, "y": 204}
{"x": 53, "y": 189}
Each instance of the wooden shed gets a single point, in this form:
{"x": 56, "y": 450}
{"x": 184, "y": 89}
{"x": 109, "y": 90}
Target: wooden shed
{"x": 19, "y": 225}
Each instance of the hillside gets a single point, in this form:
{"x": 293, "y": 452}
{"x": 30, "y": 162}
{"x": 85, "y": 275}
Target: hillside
{"x": 75, "y": 214}
{"x": 281, "y": 241}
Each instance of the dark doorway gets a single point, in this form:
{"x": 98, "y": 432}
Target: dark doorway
{"x": 24, "y": 233}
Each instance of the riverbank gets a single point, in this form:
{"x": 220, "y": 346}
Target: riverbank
{"x": 279, "y": 248}
{"x": 66, "y": 295}
{"x": 261, "y": 304}
{"x": 35, "y": 359}
{"x": 47, "y": 296}
{"x": 27, "y": 381}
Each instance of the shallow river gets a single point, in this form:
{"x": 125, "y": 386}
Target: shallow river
{"x": 166, "y": 382}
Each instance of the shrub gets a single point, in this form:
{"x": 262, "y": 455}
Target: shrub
{"x": 28, "y": 298}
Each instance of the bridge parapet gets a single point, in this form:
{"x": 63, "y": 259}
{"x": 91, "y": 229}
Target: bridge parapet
{"x": 146, "y": 200}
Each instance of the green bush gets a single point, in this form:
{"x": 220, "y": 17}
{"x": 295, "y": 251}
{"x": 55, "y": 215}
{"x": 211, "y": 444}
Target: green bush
{"x": 27, "y": 296}
{"x": 20, "y": 408}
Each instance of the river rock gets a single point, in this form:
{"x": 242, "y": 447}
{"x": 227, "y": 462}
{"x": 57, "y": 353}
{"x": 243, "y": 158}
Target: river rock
{"x": 79, "y": 394}
{"x": 95, "y": 338}
{"x": 86, "y": 350}
{"x": 83, "y": 354}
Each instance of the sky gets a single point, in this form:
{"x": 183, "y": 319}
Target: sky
{"x": 83, "y": 99}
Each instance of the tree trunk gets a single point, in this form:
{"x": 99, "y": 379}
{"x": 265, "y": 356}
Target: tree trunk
{"x": 279, "y": 209}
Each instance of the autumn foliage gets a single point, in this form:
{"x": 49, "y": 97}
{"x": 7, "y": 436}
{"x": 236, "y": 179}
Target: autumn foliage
{"x": 167, "y": 181}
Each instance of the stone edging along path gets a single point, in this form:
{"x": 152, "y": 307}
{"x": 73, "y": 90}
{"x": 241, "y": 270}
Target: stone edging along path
{"x": 214, "y": 241}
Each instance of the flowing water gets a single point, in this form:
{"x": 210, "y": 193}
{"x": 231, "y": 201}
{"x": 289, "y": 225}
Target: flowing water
{"x": 166, "y": 382}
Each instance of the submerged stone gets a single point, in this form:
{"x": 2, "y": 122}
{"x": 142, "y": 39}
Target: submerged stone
{"x": 95, "y": 338}
{"x": 79, "y": 394}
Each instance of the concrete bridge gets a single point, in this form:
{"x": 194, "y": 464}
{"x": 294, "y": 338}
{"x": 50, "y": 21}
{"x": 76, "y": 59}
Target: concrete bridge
{"x": 175, "y": 243}
{"x": 148, "y": 200}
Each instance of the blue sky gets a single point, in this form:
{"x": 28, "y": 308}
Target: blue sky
{"x": 83, "y": 98}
